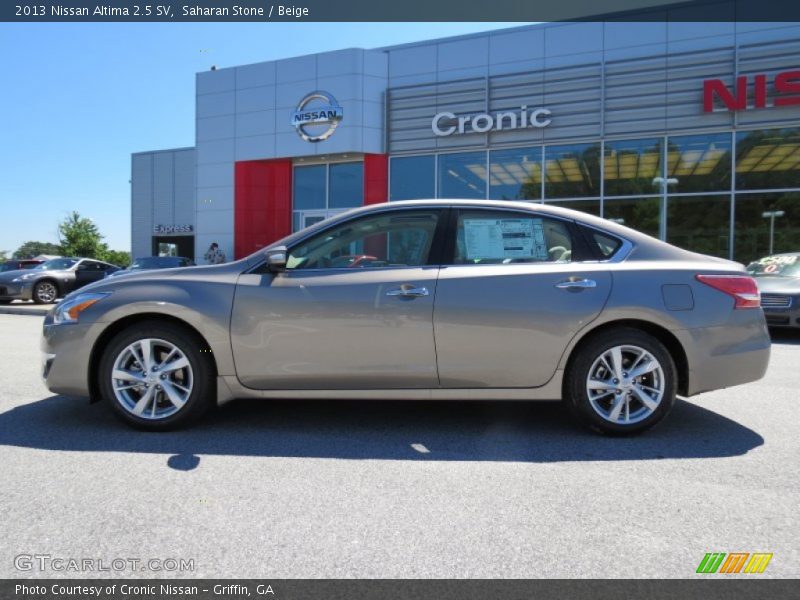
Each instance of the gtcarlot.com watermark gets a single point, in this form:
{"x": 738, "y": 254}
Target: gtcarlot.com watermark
{"x": 60, "y": 564}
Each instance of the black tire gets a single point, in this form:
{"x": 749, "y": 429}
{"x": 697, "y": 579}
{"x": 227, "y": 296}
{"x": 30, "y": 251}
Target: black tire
{"x": 41, "y": 292}
{"x": 589, "y": 351}
{"x": 203, "y": 392}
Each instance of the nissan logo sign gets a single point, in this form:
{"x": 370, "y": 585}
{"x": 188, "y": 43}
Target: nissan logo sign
{"x": 447, "y": 123}
{"x": 317, "y": 116}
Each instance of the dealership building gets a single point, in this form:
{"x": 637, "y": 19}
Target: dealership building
{"x": 687, "y": 131}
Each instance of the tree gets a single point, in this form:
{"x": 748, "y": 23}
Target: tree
{"x": 31, "y": 249}
{"x": 3, "y": 256}
{"x": 79, "y": 236}
{"x": 117, "y": 257}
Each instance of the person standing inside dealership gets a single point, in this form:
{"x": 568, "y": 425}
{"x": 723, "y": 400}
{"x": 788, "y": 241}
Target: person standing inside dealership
{"x": 214, "y": 256}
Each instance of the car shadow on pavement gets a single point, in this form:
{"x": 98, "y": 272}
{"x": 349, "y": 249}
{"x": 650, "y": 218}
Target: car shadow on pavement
{"x": 381, "y": 430}
{"x": 785, "y": 336}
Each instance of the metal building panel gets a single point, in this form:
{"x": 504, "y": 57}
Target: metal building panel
{"x": 255, "y": 123}
{"x": 295, "y": 69}
{"x": 573, "y": 38}
{"x": 141, "y": 203}
{"x": 215, "y": 151}
{"x": 184, "y": 197}
{"x": 255, "y": 99}
{"x": 516, "y": 46}
{"x": 460, "y": 54}
{"x": 412, "y": 60}
{"x": 256, "y": 75}
{"x": 212, "y": 82}
{"x": 624, "y": 34}
{"x": 215, "y": 128}
{"x": 215, "y": 105}
{"x": 163, "y": 188}
{"x": 349, "y": 61}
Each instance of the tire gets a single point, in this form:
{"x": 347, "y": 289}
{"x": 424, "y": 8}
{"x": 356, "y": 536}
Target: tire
{"x": 45, "y": 292}
{"x": 177, "y": 394}
{"x": 614, "y": 405}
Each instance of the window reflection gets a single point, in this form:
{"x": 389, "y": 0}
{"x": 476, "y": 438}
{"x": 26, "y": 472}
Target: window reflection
{"x": 515, "y": 174}
{"x": 753, "y": 228}
{"x": 412, "y": 177}
{"x": 346, "y": 185}
{"x": 462, "y": 175}
{"x": 700, "y": 223}
{"x": 572, "y": 171}
{"x": 309, "y": 187}
{"x": 642, "y": 214}
{"x": 700, "y": 163}
{"x": 588, "y": 206}
{"x": 631, "y": 165}
{"x": 768, "y": 159}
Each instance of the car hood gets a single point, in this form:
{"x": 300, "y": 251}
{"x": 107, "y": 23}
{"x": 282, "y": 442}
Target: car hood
{"x": 775, "y": 284}
{"x": 7, "y": 276}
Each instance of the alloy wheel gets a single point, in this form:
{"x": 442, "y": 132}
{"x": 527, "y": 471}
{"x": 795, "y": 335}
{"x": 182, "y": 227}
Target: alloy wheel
{"x": 46, "y": 292}
{"x": 152, "y": 379}
{"x": 625, "y": 384}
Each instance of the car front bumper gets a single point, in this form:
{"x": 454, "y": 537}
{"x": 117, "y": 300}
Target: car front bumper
{"x": 66, "y": 355}
{"x": 16, "y": 291}
{"x": 784, "y": 316}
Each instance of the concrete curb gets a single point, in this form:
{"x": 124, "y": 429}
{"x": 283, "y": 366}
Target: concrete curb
{"x": 19, "y": 310}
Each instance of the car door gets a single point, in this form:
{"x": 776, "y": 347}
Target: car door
{"x": 88, "y": 271}
{"x": 511, "y": 298}
{"x": 329, "y": 322}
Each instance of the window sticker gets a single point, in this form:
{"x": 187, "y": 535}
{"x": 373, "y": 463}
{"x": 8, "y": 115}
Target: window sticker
{"x": 504, "y": 238}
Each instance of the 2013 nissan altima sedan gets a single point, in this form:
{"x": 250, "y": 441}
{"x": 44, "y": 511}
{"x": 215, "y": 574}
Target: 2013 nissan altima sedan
{"x": 463, "y": 300}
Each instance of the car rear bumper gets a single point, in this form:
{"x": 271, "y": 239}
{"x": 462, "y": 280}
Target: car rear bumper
{"x": 732, "y": 354}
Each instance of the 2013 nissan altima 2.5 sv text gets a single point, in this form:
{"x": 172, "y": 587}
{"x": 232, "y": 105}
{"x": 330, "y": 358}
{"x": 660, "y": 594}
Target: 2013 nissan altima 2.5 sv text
{"x": 454, "y": 300}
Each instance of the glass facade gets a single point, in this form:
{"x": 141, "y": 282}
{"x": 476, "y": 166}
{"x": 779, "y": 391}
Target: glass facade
{"x": 680, "y": 188}
{"x": 320, "y": 191}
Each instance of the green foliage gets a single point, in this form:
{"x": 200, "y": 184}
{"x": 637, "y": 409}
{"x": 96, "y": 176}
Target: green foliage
{"x": 116, "y": 257}
{"x": 32, "y": 249}
{"x": 3, "y": 256}
{"x": 79, "y": 236}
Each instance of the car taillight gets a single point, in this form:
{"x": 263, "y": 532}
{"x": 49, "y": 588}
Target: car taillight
{"x": 742, "y": 288}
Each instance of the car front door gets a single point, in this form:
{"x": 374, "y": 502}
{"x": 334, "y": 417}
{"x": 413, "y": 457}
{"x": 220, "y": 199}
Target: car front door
{"x": 511, "y": 299}
{"x": 88, "y": 271}
{"x": 352, "y": 310}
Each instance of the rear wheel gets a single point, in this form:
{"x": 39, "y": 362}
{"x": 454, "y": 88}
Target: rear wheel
{"x": 622, "y": 382}
{"x": 45, "y": 292}
{"x": 155, "y": 378}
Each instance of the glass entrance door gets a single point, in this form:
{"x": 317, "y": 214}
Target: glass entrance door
{"x": 323, "y": 190}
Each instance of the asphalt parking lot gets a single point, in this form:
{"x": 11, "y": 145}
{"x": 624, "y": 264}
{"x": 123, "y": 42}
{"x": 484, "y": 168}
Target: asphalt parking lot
{"x": 393, "y": 489}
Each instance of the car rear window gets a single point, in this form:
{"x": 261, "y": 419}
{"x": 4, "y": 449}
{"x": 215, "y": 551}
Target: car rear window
{"x": 606, "y": 244}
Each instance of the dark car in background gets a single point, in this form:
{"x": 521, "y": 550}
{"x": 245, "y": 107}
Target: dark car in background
{"x": 778, "y": 279}
{"x": 51, "y": 279}
{"x": 19, "y": 264}
{"x": 147, "y": 263}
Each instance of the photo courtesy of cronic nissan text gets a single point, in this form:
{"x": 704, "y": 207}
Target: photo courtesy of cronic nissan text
{"x": 418, "y": 300}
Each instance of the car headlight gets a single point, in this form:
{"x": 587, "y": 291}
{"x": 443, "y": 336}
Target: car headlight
{"x": 70, "y": 308}
{"x": 23, "y": 277}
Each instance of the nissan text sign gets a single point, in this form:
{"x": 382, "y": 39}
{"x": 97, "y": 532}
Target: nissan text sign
{"x": 786, "y": 91}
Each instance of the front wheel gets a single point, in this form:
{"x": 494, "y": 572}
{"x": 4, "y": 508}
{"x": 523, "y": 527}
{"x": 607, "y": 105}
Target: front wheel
{"x": 622, "y": 382}
{"x": 45, "y": 292}
{"x": 154, "y": 376}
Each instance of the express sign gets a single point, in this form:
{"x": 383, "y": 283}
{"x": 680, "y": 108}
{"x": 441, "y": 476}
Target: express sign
{"x": 786, "y": 91}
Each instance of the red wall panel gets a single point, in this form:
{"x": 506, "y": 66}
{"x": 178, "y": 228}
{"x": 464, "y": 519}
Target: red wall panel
{"x": 262, "y": 204}
{"x": 376, "y": 178}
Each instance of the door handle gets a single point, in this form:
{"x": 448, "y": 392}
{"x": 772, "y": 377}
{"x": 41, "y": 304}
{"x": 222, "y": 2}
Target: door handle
{"x": 576, "y": 284}
{"x": 408, "y": 291}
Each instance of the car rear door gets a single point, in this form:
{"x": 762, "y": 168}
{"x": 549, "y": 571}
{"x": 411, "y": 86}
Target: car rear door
{"x": 88, "y": 271}
{"x": 511, "y": 298}
{"x": 331, "y": 323}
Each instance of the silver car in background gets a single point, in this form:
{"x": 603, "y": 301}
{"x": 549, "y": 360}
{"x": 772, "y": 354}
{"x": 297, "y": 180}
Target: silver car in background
{"x": 460, "y": 300}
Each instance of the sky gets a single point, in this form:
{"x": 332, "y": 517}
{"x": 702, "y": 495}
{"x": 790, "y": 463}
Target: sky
{"x": 77, "y": 99}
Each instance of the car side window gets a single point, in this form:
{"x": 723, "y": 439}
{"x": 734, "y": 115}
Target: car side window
{"x": 387, "y": 240}
{"x": 505, "y": 237}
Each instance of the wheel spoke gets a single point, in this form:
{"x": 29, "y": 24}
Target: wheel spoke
{"x": 616, "y": 408}
{"x": 600, "y": 385}
{"x": 146, "y": 348}
{"x": 177, "y": 400}
{"x": 645, "y": 398}
{"x": 176, "y": 364}
{"x": 616, "y": 362}
{"x": 141, "y": 405}
{"x": 167, "y": 357}
{"x": 124, "y": 375}
{"x": 644, "y": 368}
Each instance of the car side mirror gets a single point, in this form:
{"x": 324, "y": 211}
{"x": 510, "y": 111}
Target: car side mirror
{"x": 276, "y": 258}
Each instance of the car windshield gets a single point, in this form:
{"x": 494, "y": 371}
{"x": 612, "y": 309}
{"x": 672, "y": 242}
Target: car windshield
{"x": 786, "y": 265}
{"x": 56, "y": 264}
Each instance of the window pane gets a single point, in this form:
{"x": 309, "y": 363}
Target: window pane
{"x": 768, "y": 159}
{"x": 412, "y": 177}
{"x": 346, "y": 185}
{"x": 395, "y": 239}
{"x": 700, "y": 163}
{"x": 572, "y": 171}
{"x": 642, "y": 214}
{"x": 700, "y": 223}
{"x": 588, "y": 206}
{"x": 752, "y": 227}
{"x": 515, "y": 174}
{"x": 462, "y": 175}
{"x": 631, "y": 165}
{"x": 500, "y": 237}
{"x": 309, "y": 187}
